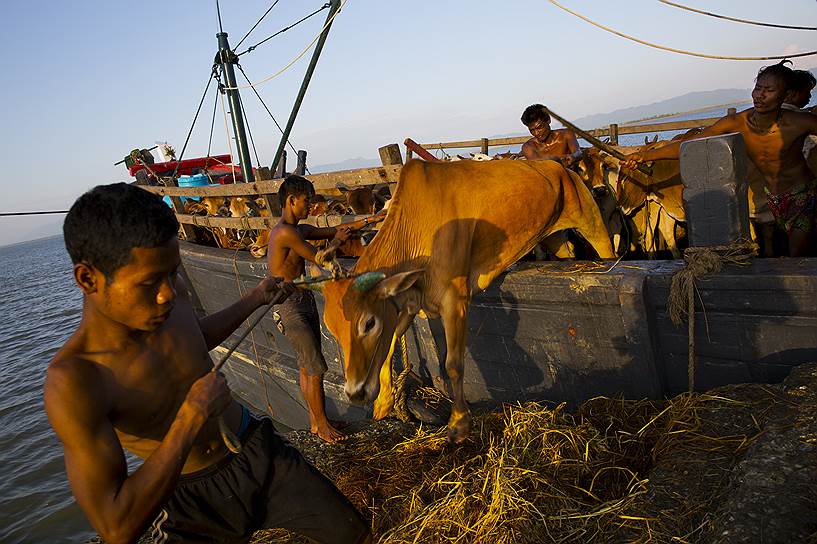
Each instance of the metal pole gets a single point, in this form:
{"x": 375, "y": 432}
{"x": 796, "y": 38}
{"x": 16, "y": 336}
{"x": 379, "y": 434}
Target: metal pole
{"x": 227, "y": 58}
{"x": 334, "y": 6}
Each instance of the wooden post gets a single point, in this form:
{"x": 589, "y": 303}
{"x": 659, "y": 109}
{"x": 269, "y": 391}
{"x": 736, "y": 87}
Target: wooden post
{"x": 300, "y": 169}
{"x": 409, "y": 154}
{"x": 389, "y": 155}
{"x": 281, "y": 167}
{"x": 178, "y": 208}
{"x": 731, "y": 111}
{"x": 484, "y": 146}
{"x": 613, "y": 134}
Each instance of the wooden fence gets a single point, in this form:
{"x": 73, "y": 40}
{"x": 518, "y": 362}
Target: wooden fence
{"x": 613, "y": 132}
{"x": 388, "y": 173}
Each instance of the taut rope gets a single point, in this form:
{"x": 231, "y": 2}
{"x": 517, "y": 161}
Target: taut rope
{"x": 399, "y": 389}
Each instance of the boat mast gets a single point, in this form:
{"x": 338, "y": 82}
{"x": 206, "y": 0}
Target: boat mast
{"x": 334, "y": 6}
{"x": 227, "y": 58}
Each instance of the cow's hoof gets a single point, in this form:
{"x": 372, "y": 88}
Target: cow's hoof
{"x": 459, "y": 427}
{"x": 382, "y": 409}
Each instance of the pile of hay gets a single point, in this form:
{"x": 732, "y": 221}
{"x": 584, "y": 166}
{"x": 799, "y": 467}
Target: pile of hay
{"x": 531, "y": 473}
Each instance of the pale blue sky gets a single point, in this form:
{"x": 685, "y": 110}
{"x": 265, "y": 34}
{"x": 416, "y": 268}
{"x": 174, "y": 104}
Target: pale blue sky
{"x": 84, "y": 82}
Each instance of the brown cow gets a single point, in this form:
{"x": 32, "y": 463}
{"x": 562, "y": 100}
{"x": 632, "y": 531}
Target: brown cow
{"x": 451, "y": 229}
{"x": 653, "y": 206}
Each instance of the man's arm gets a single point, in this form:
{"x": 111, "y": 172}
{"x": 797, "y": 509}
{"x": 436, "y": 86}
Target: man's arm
{"x": 325, "y": 233}
{"x": 724, "y": 125}
{"x": 574, "y": 151}
{"x": 217, "y": 327}
{"x": 120, "y": 507}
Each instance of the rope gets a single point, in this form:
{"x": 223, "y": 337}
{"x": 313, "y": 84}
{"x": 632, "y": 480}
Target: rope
{"x": 9, "y": 214}
{"x": 297, "y": 57}
{"x": 229, "y": 140}
{"x": 256, "y": 24}
{"x": 701, "y": 261}
{"x": 274, "y": 120}
{"x": 249, "y": 49}
{"x": 672, "y": 50}
{"x": 193, "y": 124}
{"x": 735, "y": 19}
{"x": 399, "y": 388}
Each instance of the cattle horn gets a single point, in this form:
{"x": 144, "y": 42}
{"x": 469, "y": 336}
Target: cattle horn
{"x": 367, "y": 280}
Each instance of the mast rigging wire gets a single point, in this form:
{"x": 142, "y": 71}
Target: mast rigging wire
{"x": 256, "y": 24}
{"x": 11, "y": 214}
{"x": 735, "y": 19}
{"x": 297, "y": 57}
{"x": 672, "y": 50}
{"x": 274, "y": 120}
{"x": 193, "y": 124}
{"x": 251, "y": 48}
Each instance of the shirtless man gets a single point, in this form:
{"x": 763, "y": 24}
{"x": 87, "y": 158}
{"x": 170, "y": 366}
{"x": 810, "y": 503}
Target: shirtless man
{"x": 557, "y": 145}
{"x": 299, "y": 320}
{"x": 774, "y": 142}
{"x": 136, "y": 375}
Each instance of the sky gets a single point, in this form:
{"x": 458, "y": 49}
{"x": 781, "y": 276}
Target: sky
{"x": 84, "y": 82}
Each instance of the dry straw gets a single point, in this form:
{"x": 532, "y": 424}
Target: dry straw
{"x": 532, "y": 474}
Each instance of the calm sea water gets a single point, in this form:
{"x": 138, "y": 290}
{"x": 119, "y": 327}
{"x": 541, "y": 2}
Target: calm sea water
{"x": 39, "y": 308}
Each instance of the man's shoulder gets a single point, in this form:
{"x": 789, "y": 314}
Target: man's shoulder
{"x": 284, "y": 231}
{"x": 71, "y": 376}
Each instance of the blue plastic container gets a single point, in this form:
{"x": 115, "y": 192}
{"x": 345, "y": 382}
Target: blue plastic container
{"x": 197, "y": 180}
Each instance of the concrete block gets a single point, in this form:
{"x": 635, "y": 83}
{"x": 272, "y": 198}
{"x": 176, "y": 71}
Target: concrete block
{"x": 715, "y": 190}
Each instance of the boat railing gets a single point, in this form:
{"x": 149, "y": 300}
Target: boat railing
{"x": 325, "y": 183}
{"x": 613, "y": 131}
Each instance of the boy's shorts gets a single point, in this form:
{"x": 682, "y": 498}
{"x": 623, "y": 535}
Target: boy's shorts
{"x": 297, "y": 317}
{"x": 269, "y": 484}
{"x": 795, "y": 208}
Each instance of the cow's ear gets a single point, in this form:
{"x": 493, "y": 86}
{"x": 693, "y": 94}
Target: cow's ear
{"x": 397, "y": 283}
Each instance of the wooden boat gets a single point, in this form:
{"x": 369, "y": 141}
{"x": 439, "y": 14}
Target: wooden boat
{"x": 548, "y": 331}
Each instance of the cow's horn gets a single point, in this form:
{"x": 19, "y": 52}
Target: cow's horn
{"x": 367, "y": 280}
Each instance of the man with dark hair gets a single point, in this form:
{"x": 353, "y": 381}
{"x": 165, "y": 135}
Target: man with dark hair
{"x": 774, "y": 141}
{"x": 299, "y": 320}
{"x": 136, "y": 375}
{"x": 799, "y": 94}
{"x": 556, "y": 145}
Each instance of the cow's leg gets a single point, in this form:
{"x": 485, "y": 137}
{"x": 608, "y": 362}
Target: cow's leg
{"x": 593, "y": 229}
{"x": 455, "y": 315}
{"x": 666, "y": 226}
{"x": 384, "y": 403}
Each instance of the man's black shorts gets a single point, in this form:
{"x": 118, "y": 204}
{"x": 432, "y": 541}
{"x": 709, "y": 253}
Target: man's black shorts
{"x": 269, "y": 484}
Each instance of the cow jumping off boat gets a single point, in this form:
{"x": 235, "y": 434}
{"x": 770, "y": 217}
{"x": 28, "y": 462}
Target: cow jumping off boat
{"x": 452, "y": 228}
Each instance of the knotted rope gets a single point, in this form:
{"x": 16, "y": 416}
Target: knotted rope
{"x": 399, "y": 389}
{"x": 701, "y": 261}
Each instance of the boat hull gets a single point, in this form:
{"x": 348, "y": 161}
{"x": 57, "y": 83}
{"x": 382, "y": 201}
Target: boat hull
{"x": 555, "y": 331}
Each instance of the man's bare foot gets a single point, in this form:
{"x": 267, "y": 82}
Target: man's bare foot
{"x": 327, "y": 433}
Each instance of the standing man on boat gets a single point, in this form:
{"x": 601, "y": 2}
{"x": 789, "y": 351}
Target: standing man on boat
{"x": 774, "y": 139}
{"x": 299, "y": 320}
{"x": 547, "y": 144}
{"x": 136, "y": 375}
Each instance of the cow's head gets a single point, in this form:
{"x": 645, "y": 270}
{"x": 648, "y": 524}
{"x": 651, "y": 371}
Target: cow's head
{"x": 364, "y": 314}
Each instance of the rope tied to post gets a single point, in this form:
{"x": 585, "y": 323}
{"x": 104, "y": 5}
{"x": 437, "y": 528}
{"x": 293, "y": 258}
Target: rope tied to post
{"x": 701, "y": 261}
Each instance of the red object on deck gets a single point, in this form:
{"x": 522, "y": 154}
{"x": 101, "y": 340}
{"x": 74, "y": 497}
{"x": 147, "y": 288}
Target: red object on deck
{"x": 218, "y": 163}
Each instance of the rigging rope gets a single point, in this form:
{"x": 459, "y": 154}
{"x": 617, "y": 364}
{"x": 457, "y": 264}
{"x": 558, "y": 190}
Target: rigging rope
{"x": 10, "y": 214}
{"x": 249, "y": 132}
{"x": 274, "y": 120}
{"x": 229, "y": 140}
{"x": 672, "y": 50}
{"x": 193, "y": 124}
{"x": 735, "y": 19}
{"x": 256, "y": 24}
{"x": 297, "y": 57}
{"x": 251, "y": 48}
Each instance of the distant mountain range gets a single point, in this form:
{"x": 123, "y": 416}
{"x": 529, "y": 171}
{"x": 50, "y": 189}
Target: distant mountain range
{"x": 678, "y": 104}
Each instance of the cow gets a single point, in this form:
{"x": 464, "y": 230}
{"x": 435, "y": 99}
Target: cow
{"x": 650, "y": 205}
{"x": 451, "y": 229}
